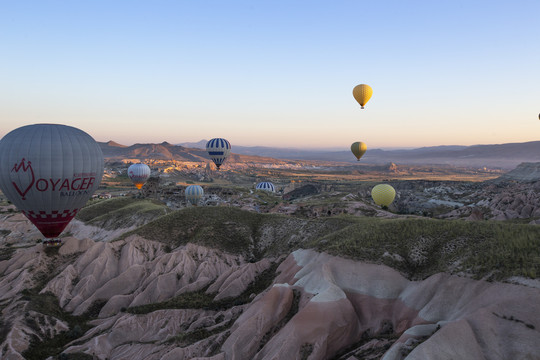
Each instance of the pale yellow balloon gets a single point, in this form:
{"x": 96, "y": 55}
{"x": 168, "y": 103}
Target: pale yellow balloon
{"x": 362, "y": 93}
{"x": 358, "y": 149}
{"x": 383, "y": 194}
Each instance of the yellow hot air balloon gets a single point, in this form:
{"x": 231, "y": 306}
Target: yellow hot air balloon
{"x": 358, "y": 149}
{"x": 362, "y": 93}
{"x": 383, "y": 194}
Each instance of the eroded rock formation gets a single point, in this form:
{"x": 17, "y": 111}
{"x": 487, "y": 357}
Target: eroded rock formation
{"x": 318, "y": 307}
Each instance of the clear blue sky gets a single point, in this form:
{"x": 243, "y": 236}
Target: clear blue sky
{"x": 274, "y": 73}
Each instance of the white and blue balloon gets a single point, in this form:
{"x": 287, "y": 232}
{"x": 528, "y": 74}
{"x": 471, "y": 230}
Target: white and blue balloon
{"x": 266, "y": 186}
{"x": 194, "y": 193}
{"x": 218, "y": 149}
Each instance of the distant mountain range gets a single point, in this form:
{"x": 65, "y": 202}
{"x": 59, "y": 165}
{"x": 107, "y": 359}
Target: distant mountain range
{"x": 164, "y": 151}
{"x": 504, "y": 156}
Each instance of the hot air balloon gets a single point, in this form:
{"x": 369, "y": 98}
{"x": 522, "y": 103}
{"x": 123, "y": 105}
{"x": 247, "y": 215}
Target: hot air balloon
{"x": 194, "y": 193}
{"x": 383, "y": 194}
{"x": 362, "y": 93}
{"x": 358, "y": 149}
{"x": 49, "y": 172}
{"x": 139, "y": 173}
{"x": 266, "y": 186}
{"x": 218, "y": 149}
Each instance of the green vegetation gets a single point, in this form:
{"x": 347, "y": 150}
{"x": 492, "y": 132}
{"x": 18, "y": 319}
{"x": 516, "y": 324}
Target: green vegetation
{"x": 229, "y": 229}
{"x": 235, "y": 231}
{"x": 493, "y": 250}
{"x": 192, "y": 300}
{"x": 4, "y": 232}
{"x": 76, "y": 356}
{"x": 104, "y": 207}
{"x": 418, "y": 247}
{"x": 201, "y": 300}
{"x": 306, "y": 350}
{"x": 121, "y": 212}
{"x": 47, "y": 304}
{"x": 187, "y": 338}
{"x": 4, "y": 329}
{"x": 6, "y": 253}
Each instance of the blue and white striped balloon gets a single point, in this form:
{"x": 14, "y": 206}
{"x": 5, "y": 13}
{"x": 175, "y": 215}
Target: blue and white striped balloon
{"x": 218, "y": 149}
{"x": 194, "y": 193}
{"x": 266, "y": 186}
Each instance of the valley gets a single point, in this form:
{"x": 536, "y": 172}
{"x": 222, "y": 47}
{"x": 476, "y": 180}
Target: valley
{"x": 316, "y": 270}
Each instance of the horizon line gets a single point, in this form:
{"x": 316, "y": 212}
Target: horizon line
{"x": 329, "y": 148}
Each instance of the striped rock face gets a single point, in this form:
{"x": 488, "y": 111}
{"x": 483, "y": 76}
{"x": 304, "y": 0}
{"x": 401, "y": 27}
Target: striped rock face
{"x": 218, "y": 149}
{"x": 49, "y": 172}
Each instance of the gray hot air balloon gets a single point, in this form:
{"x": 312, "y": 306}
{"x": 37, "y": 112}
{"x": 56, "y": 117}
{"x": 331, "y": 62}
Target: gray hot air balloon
{"x": 139, "y": 173}
{"x": 194, "y": 193}
{"x": 49, "y": 172}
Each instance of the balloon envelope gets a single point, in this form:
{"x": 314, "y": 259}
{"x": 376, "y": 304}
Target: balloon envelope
{"x": 362, "y": 93}
{"x": 218, "y": 149}
{"x": 194, "y": 193}
{"x": 49, "y": 172}
{"x": 383, "y": 194}
{"x": 139, "y": 173}
{"x": 358, "y": 149}
{"x": 266, "y": 186}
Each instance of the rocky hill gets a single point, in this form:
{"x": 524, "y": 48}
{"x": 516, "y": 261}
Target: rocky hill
{"x": 223, "y": 283}
{"x": 524, "y": 172}
{"x": 163, "y": 151}
{"x": 167, "y": 152}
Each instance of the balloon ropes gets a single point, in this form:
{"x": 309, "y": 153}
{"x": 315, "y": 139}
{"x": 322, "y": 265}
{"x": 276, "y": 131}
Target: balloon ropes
{"x": 383, "y": 194}
{"x": 218, "y": 149}
{"x": 362, "y": 93}
{"x": 266, "y": 186}
{"x": 49, "y": 172}
{"x": 358, "y": 149}
{"x": 194, "y": 193}
{"x": 139, "y": 173}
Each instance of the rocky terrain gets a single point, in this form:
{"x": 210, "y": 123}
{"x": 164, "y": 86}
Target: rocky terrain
{"x": 224, "y": 283}
{"x": 315, "y": 271}
{"x": 492, "y": 200}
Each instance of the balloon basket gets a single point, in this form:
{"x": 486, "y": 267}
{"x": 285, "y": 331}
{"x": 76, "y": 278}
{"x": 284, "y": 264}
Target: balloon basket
{"x": 53, "y": 243}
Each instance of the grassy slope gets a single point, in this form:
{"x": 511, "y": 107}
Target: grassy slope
{"x": 425, "y": 246}
{"x": 416, "y": 247}
{"x": 486, "y": 249}
{"x": 121, "y": 212}
{"x": 233, "y": 230}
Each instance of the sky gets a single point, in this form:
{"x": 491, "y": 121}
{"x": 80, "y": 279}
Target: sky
{"x": 274, "y": 73}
